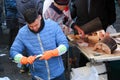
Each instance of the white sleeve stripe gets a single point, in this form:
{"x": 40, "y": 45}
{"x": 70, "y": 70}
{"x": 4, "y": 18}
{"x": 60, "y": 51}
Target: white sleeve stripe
{"x": 62, "y": 49}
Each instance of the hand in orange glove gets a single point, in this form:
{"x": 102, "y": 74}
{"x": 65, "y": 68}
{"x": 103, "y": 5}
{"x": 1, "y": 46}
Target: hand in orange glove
{"x": 49, "y": 54}
{"x": 27, "y": 60}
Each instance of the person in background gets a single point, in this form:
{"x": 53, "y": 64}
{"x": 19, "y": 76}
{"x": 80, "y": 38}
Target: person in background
{"x": 1, "y": 11}
{"x": 11, "y": 19}
{"x": 87, "y": 10}
{"x": 36, "y": 37}
{"x": 55, "y": 12}
{"x": 1, "y": 32}
{"x": 21, "y": 6}
{"x": 118, "y": 2}
{"x": 46, "y": 5}
{"x": 84, "y": 11}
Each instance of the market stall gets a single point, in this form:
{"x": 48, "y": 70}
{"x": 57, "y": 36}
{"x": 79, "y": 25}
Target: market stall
{"x": 87, "y": 48}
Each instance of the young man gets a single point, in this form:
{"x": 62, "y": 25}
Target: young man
{"x": 21, "y": 6}
{"x": 55, "y": 12}
{"x": 44, "y": 38}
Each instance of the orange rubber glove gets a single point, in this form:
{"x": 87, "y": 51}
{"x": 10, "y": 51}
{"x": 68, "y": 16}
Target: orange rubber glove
{"x": 49, "y": 54}
{"x": 27, "y": 60}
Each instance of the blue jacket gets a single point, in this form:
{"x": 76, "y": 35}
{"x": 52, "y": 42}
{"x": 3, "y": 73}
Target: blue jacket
{"x": 51, "y": 37}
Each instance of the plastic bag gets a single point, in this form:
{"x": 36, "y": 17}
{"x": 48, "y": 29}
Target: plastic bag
{"x": 111, "y": 29}
{"x": 84, "y": 73}
{"x": 4, "y": 78}
{"x": 46, "y": 5}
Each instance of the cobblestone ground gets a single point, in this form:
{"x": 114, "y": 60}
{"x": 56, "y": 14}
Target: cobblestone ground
{"x": 10, "y": 68}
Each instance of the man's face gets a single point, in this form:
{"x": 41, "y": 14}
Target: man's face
{"x": 35, "y": 26}
{"x": 62, "y": 7}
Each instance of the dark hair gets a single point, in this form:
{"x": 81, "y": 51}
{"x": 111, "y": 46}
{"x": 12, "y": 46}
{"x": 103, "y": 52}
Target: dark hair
{"x": 62, "y": 2}
{"x": 30, "y": 15}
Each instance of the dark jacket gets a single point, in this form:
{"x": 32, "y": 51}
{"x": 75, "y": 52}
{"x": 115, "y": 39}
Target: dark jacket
{"x": 1, "y": 10}
{"x": 104, "y": 9}
{"x": 22, "y": 4}
{"x": 11, "y": 14}
{"x": 10, "y": 9}
{"x": 1, "y": 6}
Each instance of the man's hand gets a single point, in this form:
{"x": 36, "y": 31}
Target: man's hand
{"x": 27, "y": 60}
{"x": 80, "y": 31}
{"x": 49, "y": 54}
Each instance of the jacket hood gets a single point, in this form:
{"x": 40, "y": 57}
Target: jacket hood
{"x": 24, "y": 1}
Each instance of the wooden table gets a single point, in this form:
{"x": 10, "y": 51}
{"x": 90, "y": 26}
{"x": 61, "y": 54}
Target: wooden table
{"x": 99, "y": 56}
